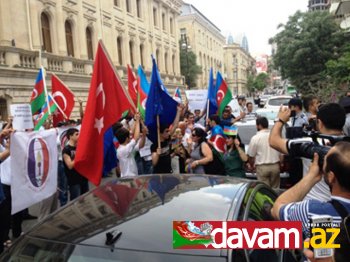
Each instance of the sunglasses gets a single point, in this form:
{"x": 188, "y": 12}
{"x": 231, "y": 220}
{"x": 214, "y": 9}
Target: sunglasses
{"x": 194, "y": 135}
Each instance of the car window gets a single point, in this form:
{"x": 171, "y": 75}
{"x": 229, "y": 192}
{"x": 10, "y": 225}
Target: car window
{"x": 34, "y": 249}
{"x": 278, "y": 101}
{"x": 260, "y": 210}
{"x": 258, "y": 203}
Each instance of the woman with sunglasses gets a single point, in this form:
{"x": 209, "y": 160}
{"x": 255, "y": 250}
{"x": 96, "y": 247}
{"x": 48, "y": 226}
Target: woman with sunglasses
{"x": 234, "y": 157}
{"x": 201, "y": 153}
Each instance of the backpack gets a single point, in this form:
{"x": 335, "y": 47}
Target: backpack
{"x": 216, "y": 166}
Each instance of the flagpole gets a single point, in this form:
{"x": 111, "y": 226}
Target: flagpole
{"x": 207, "y": 111}
{"x": 46, "y": 95}
{"x": 59, "y": 108}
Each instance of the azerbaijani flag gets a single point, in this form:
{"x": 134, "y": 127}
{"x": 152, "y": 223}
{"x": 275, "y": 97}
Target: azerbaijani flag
{"x": 230, "y": 130}
{"x": 142, "y": 91}
{"x": 177, "y": 95}
{"x": 43, "y": 114}
{"x": 223, "y": 96}
{"x": 38, "y": 97}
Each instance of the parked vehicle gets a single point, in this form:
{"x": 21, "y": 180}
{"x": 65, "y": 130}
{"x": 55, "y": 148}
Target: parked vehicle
{"x": 131, "y": 219}
{"x": 263, "y": 100}
{"x": 272, "y": 106}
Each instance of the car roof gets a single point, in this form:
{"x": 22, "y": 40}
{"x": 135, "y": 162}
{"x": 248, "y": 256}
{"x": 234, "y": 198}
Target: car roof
{"x": 143, "y": 209}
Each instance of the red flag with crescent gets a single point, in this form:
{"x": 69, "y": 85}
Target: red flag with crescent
{"x": 107, "y": 101}
{"x": 64, "y": 99}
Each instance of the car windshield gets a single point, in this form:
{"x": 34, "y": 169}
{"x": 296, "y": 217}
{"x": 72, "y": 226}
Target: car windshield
{"x": 33, "y": 249}
{"x": 278, "y": 101}
{"x": 143, "y": 210}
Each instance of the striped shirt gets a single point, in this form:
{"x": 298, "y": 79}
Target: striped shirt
{"x": 304, "y": 210}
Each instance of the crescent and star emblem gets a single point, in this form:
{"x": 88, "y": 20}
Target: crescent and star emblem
{"x": 220, "y": 97}
{"x": 99, "y": 121}
{"x": 34, "y": 94}
{"x": 134, "y": 84}
{"x": 60, "y": 94}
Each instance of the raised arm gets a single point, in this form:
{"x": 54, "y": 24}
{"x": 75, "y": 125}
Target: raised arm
{"x": 276, "y": 140}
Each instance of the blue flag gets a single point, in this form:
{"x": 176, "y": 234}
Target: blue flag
{"x": 158, "y": 103}
{"x": 110, "y": 155}
{"x": 213, "y": 106}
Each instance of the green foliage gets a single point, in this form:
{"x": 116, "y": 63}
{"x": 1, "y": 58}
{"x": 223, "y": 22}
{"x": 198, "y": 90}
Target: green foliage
{"x": 304, "y": 46}
{"x": 190, "y": 70}
{"x": 250, "y": 84}
{"x": 260, "y": 82}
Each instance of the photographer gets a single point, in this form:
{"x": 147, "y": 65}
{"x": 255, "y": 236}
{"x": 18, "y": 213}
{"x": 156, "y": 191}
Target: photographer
{"x": 290, "y": 205}
{"x": 330, "y": 120}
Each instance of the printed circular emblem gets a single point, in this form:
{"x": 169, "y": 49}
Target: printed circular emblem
{"x": 38, "y": 162}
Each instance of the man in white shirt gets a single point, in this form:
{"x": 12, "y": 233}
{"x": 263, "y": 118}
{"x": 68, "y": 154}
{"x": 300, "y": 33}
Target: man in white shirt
{"x": 265, "y": 158}
{"x": 127, "y": 148}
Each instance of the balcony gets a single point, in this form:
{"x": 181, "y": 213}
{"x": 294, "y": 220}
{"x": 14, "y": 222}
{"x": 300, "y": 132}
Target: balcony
{"x": 13, "y": 57}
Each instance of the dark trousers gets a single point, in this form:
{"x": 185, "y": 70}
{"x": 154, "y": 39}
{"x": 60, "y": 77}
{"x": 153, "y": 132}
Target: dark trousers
{"x": 62, "y": 184}
{"x": 6, "y": 219}
{"x": 78, "y": 189}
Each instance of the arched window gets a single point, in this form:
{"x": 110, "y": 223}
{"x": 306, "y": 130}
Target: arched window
{"x": 141, "y": 55}
{"x": 131, "y": 49}
{"x": 173, "y": 64}
{"x": 166, "y": 62}
{"x": 90, "y": 52}
{"x": 69, "y": 38}
{"x": 46, "y": 34}
{"x": 171, "y": 26}
{"x": 157, "y": 58}
{"x": 128, "y": 6}
{"x": 120, "y": 53}
{"x": 138, "y": 8}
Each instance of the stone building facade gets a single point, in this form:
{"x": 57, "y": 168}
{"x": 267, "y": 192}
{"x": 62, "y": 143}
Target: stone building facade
{"x": 205, "y": 40}
{"x": 62, "y": 36}
{"x": 239, "y": 65}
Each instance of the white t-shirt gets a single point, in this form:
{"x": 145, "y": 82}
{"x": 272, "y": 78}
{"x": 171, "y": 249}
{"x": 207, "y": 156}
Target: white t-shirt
{"x": 145, "y": 152}
{"x": 127, "y": 163}
{"x": 259, "y": 148}
{"x": 5, "y": 171}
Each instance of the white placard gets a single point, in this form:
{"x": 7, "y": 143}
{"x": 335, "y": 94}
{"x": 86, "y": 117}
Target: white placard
{"x": 22, "y": 116}
{"x": 197, "y": 99}
{"x": 236, "y": 110}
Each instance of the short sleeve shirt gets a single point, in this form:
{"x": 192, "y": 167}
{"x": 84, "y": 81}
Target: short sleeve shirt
{"x": 304, "y": 210}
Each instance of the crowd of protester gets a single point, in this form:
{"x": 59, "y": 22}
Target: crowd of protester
{"x": 186, "y": 146}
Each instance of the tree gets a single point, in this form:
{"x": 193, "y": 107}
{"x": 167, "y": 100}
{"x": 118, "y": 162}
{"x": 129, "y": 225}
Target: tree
{"x": 250, "y": 84}
{"x": 261, "y": 81}
{"x": 306, "y": 43}
{"x": 189, "y": 67}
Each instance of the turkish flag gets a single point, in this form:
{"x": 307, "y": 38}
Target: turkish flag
{"x": 107, "y": 100}
{"x": 132, "y": 85}
{"x": 64, "y": 99}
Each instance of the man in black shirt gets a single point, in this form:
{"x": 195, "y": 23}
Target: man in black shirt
{"x": 161, "y": 157}
{"x": 77, "y": 184}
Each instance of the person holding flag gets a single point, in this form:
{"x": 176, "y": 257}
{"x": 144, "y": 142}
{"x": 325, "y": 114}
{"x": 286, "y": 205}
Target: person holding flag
{"x": 107, "y": 101}
{"x": 162, "y": 111}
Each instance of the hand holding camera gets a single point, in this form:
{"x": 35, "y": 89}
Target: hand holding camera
{"x": 284, "y": 113}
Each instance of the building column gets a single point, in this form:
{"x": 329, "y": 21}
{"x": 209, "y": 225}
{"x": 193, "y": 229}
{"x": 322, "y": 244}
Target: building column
{"x": 5, "y": 29}
{"x": 60, "y": 27}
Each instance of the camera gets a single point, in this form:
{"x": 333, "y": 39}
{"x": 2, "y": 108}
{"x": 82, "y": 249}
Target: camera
{"x": 306, "y": 148}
